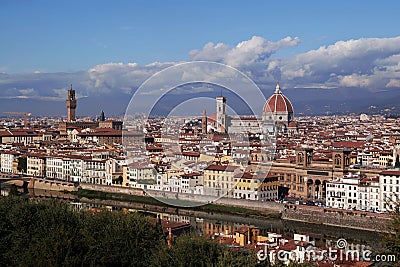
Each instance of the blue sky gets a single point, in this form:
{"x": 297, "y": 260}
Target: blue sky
{"x": 109, "y": 48}
{"x": 68, "y": 36}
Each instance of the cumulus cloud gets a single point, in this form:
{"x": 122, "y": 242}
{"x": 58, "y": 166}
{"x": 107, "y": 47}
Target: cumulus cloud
{"x": 393, "y": 83}
{"x": 371, "y": 63}
{"x": 363, "y": 63}
{"x": 257, "y": 49}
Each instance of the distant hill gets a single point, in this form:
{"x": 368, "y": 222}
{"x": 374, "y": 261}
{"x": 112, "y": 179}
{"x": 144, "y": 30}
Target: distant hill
{"x": 305, "y": 101}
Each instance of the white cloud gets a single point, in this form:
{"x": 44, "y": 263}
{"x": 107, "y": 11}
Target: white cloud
{"x": 393, "y": 83}
{"x": 356, "y": 63}
{"x": 27, "y": 91}
{"x": 355, "y": 80}
{"x": 371, "y": 63}
{"x": 257, "y": 49}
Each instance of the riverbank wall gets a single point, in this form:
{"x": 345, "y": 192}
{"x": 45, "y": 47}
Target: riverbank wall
{"x": 52, "y": 185}
{"x": 337, "y": 217}
{"x": 309, "y": 214}
{"x": 171, "y": 197}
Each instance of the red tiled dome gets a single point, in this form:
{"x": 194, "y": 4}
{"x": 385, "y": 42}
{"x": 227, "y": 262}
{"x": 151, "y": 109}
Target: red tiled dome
{"x": 278, "y": 103}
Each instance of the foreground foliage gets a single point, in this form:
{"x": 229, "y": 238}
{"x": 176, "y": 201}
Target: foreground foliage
{"x": 51, "y": 233}
{"x": 392, "y": 240}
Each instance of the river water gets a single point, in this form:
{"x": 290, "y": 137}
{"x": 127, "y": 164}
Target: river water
{"x": 209, "y": 223}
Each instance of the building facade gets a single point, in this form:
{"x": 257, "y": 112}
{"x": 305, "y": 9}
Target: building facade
{"x": 260, "y": 187}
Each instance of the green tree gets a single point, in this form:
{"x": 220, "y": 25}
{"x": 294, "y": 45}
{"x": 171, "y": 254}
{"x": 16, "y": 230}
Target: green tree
{"x": 189, "y": 250}
{"x": 51, "y": 233}
{"x": 117, "y": 239}
{"x": 392, "y": 240}
{"x": 39, "y": 234}
{"x": 22, "y": 164}
{"x": 119, "y": 180}
{"x": 397, "y": 163}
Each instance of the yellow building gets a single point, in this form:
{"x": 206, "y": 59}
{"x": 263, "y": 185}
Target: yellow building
{"x": 219, "y": 179}
{"x": 248, "y": 235}
{"x": 259, "y": 187}
{"x": 385, "y": 158}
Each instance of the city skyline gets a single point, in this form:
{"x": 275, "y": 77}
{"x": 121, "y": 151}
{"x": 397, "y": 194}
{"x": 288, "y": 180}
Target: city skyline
{"x": 254, "y": 133}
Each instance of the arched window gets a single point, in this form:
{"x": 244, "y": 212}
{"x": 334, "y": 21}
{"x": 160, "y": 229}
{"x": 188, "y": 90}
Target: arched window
{"x": 300, "y": 157}
{"x": 338, "y": 160}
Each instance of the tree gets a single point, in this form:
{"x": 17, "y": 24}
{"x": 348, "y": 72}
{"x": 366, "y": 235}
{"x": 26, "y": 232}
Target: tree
{"x": 51, "y": 233}
{"x": 190, "y": 250}
{"x": 392, "y": 240}
{"x": 119, "y": 180}
{"x": 22, "y": 164}
{"x": 397, "y": 163}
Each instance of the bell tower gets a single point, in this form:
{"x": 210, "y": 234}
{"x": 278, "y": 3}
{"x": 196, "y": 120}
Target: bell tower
{"x": 204, "y": 122}
{"x": 71, "y": 105}
{"x": 221, "y": 114}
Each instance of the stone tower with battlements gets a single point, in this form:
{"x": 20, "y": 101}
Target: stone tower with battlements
{"x": 71, "y": 105}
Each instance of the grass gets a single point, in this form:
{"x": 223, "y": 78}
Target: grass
{"x": 91, "y": 194}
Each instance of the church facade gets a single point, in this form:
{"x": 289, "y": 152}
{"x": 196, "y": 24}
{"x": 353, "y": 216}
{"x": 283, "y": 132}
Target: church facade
{"x": 277, "y": 116}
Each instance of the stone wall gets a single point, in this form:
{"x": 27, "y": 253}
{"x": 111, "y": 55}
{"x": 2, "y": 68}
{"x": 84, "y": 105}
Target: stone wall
{"x": 337, "y": 217}
{"x": 182, "y": 199}
{"x": 38, "y": 183}
{"x": 309, "y": 214}
{"x": 112, "y": 189}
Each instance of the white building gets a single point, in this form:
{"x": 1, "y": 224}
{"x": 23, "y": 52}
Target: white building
{"x": 389, "y": 182}
{"x": 141, "y": 173}
{"x": 94, "y": 171}
{"x": 191, "y": 181}
{"x": 342, "y": 193}
{"x": 36, "y": 165}
{"x": 175, "y": 184}
{"x": 54, "y": 167}
{"x": 356, "y": 193}
{"x": 114, "y": 169}
{"x": 66, "y": 169}
{"x": 6, "y": 160}
{"x": 369, "y": 194}
{"x": 76, "y": 169}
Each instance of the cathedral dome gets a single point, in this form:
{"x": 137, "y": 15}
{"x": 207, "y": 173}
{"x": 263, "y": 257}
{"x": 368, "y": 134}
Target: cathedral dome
{"x": 278, "y": 103}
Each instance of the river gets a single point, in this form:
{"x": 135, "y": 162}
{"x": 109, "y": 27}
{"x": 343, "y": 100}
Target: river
{"x": 208, "y": 223}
